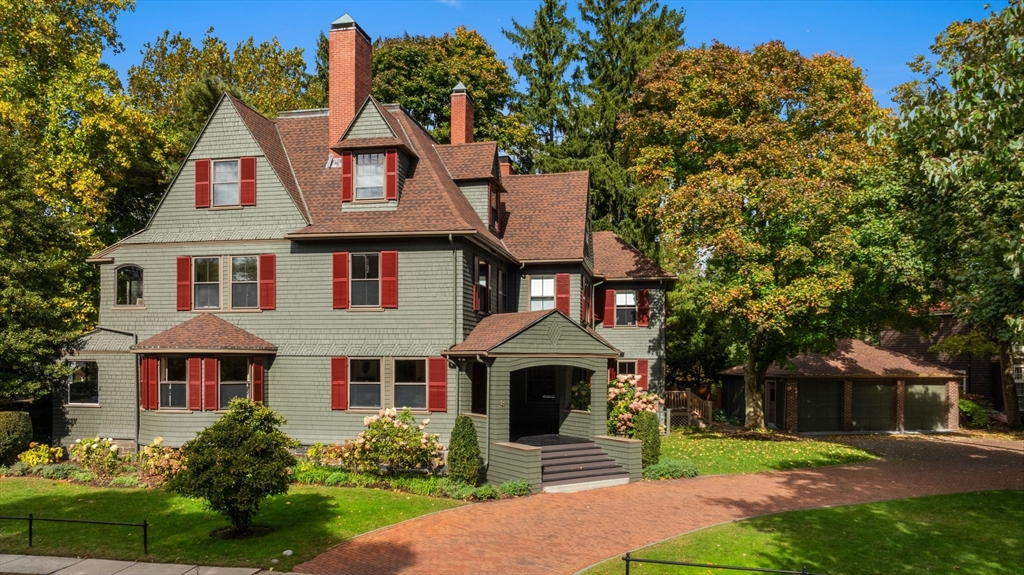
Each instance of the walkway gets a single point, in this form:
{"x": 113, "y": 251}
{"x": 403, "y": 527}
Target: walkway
{"x": 45, "y": 565}
{"x": 566, "y": 532}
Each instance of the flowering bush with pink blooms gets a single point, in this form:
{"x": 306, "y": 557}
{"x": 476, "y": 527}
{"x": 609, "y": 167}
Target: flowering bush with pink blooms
{"x": 625, "y": 400}
{"x": 392, "y": 442}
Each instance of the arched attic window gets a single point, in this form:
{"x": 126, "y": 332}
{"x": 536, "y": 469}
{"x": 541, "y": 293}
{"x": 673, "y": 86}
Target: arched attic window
{"x": 129, "y": 286}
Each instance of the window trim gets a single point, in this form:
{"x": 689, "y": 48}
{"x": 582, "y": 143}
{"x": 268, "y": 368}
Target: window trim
{"x": 587, "y": 301}
{"x": 494, "y": 208}
{"x": 214, "y": 182}
{"x": 619, "y": 363}
{"x": 135, "y": 305}
{"x": 352, "y": 281}
{"x": 502, "y": 287}
{"x": 636, "y": 309}
{"x": 161, "y": 373}
{"x": 426, "y": 383}
{"x": 355, "y": 177}
{"x": 231, "y": 282}
{"x": 483, "y": 299}
{"x": 220, "y": 283}
{"x": 350, "y": 381}
{"x": 248, "y": 375}
{"x": 67, "y": 385}
{"x": 542, "y": 277}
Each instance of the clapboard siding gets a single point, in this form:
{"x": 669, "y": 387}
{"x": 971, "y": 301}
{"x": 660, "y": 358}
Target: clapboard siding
{"x": 369, "y": 124}
{"x": 476, "y": 192}
{"x": 554, "y": 332}
{"x": 514, "y": 461}
{"x": 576, "y": 424}
{"x": 114, "y": 416}
{"x": 626, "y": 452}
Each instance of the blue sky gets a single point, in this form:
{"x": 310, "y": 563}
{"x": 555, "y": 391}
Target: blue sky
{"x": 880, "y": 36}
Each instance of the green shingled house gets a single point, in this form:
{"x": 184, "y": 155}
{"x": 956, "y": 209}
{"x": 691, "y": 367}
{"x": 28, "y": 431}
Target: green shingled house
{"x": 334, "y": 262}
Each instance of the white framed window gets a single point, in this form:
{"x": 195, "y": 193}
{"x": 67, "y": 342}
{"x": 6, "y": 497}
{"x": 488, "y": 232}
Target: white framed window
{"x": 483, "y": 286}
{"x": 206, "y": 283}
{"x": 542, "y": 292}
{"x": 625, "y": 307}
{"x": 625, "y": 368}
{"x": 225, "y": 183}
{"x": 83, "y": 387}
{"x": 244, "y": 282}
{"x": 1018, "y": 373}
{"x": 365, "y": 284}
{"x": 173, "y": 383}
{"x": 129, "y": 286}
{"x": 369, "y": 177}
{"x": 235, "y": 376}
{"x": 364, "y": 383}
{"x": 410, "y": 388}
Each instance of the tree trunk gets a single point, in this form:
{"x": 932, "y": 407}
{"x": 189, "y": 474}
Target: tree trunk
{"x": 1010, "y": 403}
{"x": 754, "y": 384}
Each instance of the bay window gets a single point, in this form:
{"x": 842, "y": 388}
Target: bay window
{"x": 173, "y": 383}
{"x": 234, "y": 379}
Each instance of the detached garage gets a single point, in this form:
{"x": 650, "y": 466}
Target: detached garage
{"x": 858, "y": 387}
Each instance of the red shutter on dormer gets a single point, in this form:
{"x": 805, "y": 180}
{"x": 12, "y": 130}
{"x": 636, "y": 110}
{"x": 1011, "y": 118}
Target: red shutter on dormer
{"x": 609, "y": 307}
{"x": 340, "y": 280}
{"x": 643, "y": 307}
{"x": 346, "y": 176}
{"x": 437, "y": 384}
{"x": 642, "y": 371}
{"x": 184, "y": 283}
{"x": 257, "y": 379}
{"x": 153, "y": 379}
{"x": 195, "y": 383}
{"x": 339, "y": 383}
{"x": 389, "y": 280}
{"x": 210, "y": 384}
{"x": 247, "y": 167}
{"x": 391, "y": 175}
{"x": 268, "y": 281}
{"x": 202, "y": 183}
{"x": 562, "y": 293}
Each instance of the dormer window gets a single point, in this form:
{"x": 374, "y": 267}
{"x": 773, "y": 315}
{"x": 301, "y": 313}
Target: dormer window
{"x": 369, "y": 176}
{"x": 225, "y": 183}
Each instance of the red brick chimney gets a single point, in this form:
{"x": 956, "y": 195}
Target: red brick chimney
{"x": 462, "y": 115}
{"x": 350, "y": 74}
{"x": 505, "y": 164}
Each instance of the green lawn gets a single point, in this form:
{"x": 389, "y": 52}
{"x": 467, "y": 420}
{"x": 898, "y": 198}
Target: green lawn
{"x": 716, "y": 454}
{"x": 308, "y": 520}
{"x": 977, "y": 533}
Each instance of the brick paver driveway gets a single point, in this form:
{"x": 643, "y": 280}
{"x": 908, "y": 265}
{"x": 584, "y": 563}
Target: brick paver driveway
{"x": 563, "y": 533}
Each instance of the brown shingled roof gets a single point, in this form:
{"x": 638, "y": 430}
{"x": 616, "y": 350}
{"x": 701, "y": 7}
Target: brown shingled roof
{"x": 470, "y": 161}
{"x": 546, "y": 215}
{"x": 496, "y": 329}
{"x": 205, "y": 332}
{"x": 615, "y": 259}
{"x": 854, "y": 358}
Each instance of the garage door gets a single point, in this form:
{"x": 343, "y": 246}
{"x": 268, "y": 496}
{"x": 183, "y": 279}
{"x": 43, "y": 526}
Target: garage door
{"x": 874, "y": 407}
{"x": 820, "y": 406}
{"x": 925, "y": 407}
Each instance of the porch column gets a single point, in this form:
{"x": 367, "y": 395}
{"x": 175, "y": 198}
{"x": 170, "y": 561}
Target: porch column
{"x": 791, "y": 406}
{"x": 952, "y": 405}
{"x": 847, "y": 405}
{"x": 901, "y": 397}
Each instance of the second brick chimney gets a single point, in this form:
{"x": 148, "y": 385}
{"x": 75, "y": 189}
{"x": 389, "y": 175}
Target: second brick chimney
{"x": 462, "y": 115}
{"x": 351, "y": 58}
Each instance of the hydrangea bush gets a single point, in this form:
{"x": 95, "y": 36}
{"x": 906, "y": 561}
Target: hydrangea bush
{"x": 392, "y": 442}
{"x": 96, "y": 454}
{"x": 625, "y": 401}
{"x": 41, "y": 454}
{"x": 156, "y": 459}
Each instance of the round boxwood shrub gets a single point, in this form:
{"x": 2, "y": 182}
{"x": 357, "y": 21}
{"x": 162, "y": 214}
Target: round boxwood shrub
{"x": 464, "y": 452}
{"x": 671, "y": 469}
{"x": 15, "y": 434}
{"x": 648, "y": 430}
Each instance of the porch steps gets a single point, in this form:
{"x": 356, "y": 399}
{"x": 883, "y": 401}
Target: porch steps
{"x": 577, "y": 466}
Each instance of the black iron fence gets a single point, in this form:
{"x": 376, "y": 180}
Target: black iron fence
{"x": 630, "y": 559}
{"x": 32, "y": 519}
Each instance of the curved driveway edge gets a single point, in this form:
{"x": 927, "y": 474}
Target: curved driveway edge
{"x": 566, "y": 532}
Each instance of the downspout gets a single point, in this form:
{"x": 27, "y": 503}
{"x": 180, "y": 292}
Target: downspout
{"x": 487, "y": 452}
{"x": 138, "y": 359}
{"x": 455, "y": 318}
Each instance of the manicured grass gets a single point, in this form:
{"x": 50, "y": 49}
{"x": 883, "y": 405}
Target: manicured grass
{"x": 307, "y": 520}
{"x": 715, "y": 453}
{"x": 977, "y": 533}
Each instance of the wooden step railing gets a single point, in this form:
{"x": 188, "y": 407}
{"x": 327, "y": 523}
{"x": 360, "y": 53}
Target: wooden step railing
{"x": 687, "y": 401}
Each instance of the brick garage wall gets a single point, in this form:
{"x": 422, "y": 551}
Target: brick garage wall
{"x": 791, "y": 406}
{"x": 901, "y": 398}
{"x": 847, "y": 405}
{"x": 952, "y": 405}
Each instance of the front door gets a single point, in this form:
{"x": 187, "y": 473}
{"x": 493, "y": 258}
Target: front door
{"x": 533, "y": 405}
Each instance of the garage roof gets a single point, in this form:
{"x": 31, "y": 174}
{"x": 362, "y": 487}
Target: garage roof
{"x": 854, "y": 358}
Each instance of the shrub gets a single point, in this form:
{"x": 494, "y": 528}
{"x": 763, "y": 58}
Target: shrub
{"x": 671, "y": 469}
{"x": 158, "y": 460}
{"x": 580, "y": 396}
{"x": 464, "y": 452}
{"x": 625, "y": 401}
{"x": 19, "y": 469}
{"x": 15, "y": 434}
{"x": 337, "y": 478}
{"x": 96, "y": 454}
{"x": 485, "y": 492}
{"x": 515, "y": 487}
{"x": 59, "y": 470}
{"x": 333, "y": 454}
{"x": 83, "y": 476}
{"x": 974, "y": 415}
{"x": 458, "y": 490}
{"x": 41, "y": 454}
{"x": 393, "y": 442}
{"x": 310, "y": 473}
{"x": 237, "y": 462}
{"x": 125, "y": 481}
{"x": 647, "y": 429}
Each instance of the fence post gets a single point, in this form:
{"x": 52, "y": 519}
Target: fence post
{"x": 626, "y": 559}
{"x": 29, "y": 529}
{"x": 145, "y": 536}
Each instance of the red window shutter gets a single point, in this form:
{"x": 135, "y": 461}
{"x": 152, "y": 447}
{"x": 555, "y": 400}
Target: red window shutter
{"x": 257, "y": 379}
{"x": 340, "y": 280}
{"x": 184, "y": 283}
{"x": 609, "y": 307}
{"x": 210, "y": 401}
{"x": 391, "y": 175}
{"x": 268, "y": 281}
{"x": 476, "y": 295}
{"x": 641, "y": 370}
{"x": 195, "y": 383}
{"x": 437, "y": 384}
{"x": 612, "y": 369}
{"x": 154, "y": 382}
{"x": 346, "y": 176}
{"x": 202, "y": 183}
{"x": 247, "y": 177}
{"x": 643, "y": 307}
{"x": 598, "y": 305}
{"x": 562, "y": 293}
{"x": 144, "y": 373}
{"x": 389, "y": 280}
{"x": 339, "y": 383}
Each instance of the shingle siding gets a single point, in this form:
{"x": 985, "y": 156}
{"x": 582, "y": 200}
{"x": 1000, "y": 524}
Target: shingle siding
{"x": 114, "y": 415}
{"x": 477, "y": 194}
{"x": 369, "y": 124}
{"x": 642, "y": 342}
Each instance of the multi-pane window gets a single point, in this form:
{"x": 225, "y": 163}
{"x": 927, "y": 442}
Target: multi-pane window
{"x": 370, "y": 176}
{"x": 129, "y": 285}
{"x": 206, "y": 283}
{"x": 83, "y": 383}
{"x": 234, "y": 379}
{"x": 625, "y": 307}
{"x": 626, "y": 368}
{"x": 411, "y": 383}
{"x": 542, "y": 292}
{"x": 483, "y": 286}
{"x": 1018, "y": 373}
{"x": 173, "y": 383}
{"x": 225, "y": 183}
{"x": 244, "y": 286}
{"x": 502, "y": 292}
{"x": 364, "y": 384}
{"x": 365, "y": 280}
